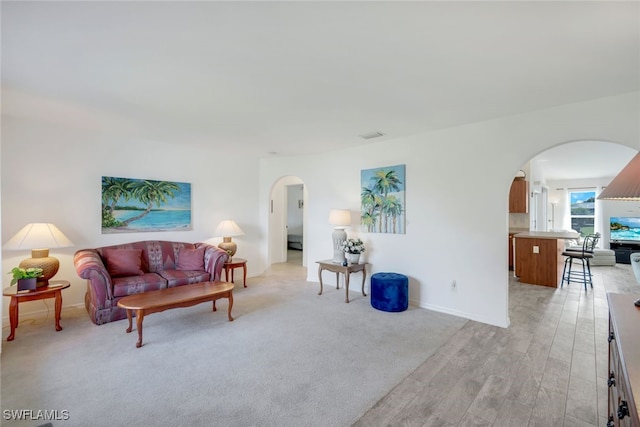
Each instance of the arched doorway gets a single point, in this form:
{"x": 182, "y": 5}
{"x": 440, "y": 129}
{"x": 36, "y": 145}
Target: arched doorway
{"x": 287, "y": 217}
{"x": 570, "y": 169}
{"x": 571, "y": 165}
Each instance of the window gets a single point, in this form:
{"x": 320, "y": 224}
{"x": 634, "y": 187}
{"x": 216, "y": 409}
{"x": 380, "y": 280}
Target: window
{"x": 583, "y": 209}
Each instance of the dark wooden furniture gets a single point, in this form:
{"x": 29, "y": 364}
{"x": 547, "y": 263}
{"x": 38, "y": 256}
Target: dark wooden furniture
{"x": 624, "y": 360}
{"x": 232, "y": 264}
{"x": 518, "y": 196}
{"x": 180, "y": 296}
{"x": 346, "y": 270}
{"x": 624, "y": 250}
{"x": 53, "y": 290}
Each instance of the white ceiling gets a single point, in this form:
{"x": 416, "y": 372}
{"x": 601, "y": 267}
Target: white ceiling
{"x": 308, "y": 77}
{"x": 582, "y": 160}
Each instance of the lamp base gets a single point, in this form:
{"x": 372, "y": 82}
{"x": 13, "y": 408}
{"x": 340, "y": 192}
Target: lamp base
{"x": 40, "y": 259}
{"x": 228, "y": 246}
{"x": 338, "y": 236}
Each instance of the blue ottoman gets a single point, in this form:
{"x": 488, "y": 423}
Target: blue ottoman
{"x": 389, "y": 291}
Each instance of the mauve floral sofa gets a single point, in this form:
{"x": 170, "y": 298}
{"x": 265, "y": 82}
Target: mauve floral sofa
{"x": 113, "y": 272}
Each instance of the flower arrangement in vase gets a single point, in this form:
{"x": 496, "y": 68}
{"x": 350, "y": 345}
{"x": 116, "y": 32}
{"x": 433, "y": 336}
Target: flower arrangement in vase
{"x": 352, "y": 249}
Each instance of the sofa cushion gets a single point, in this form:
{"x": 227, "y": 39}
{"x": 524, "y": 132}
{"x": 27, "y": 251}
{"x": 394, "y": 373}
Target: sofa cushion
{"x": 191, "y": 259}
{"x": 184, "y": 277}
{"x": 123, "y": 286}
{"x": 123, "y": 262}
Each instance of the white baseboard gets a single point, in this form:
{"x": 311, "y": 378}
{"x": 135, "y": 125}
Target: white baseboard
{"x": 483, "y": 319}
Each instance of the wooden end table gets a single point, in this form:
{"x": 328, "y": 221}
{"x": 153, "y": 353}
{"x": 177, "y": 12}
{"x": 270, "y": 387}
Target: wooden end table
{"x": 232, "y": 264}
{"x": 52, "y": 290}
{"x": 344, "y": 269}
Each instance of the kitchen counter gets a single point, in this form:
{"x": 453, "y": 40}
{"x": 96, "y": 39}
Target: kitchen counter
{"x": 566, "y": 235}
{"x": 538, "y": 256}
{"x": 513, "y": 231}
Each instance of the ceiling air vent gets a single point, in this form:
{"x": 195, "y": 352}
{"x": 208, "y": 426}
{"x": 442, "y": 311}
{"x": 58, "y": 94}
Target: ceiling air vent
{"x": 371, "y": 135}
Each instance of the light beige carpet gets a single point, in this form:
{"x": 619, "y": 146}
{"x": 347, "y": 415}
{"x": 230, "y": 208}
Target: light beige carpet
{"x": 290, "y": 358}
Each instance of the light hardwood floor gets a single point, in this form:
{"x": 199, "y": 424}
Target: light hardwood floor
{"x": 294, "y": 257}
{"x": 549, "y": 368}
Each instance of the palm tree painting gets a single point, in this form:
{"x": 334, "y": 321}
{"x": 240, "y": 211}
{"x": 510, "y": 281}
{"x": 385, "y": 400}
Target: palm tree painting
{"x": 382, "y": 199}
{"x": 137, "y": 205}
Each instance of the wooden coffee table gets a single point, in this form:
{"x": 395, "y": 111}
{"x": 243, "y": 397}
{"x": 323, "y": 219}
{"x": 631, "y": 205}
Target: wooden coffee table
{"x": 180, "y": 296}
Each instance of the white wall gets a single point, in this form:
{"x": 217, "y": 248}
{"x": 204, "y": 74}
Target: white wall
{"x": 1, "y": 306}
{"x": 458, "y": 182}
{"x": 457, "y": 189}
{"x": 53, "y": 174}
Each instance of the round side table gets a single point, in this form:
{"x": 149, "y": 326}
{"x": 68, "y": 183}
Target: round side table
{"x": 52, "y": 290}
{"x": 232, "y": 264}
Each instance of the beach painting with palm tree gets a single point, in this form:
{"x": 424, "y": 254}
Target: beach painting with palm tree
{"x": 137, "y": 205}
{"x": 382, "y": 199}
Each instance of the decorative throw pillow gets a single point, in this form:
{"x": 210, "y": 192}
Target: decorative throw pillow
{"x": 191, "y": 259}
{"x": 123, "y": 262}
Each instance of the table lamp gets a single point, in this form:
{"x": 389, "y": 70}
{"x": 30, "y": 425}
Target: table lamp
{"x": 340, "y": 218}
{"x": 227, "y": 229}
{"x": 626, "y": 185}
{"x": 39, "y": 237}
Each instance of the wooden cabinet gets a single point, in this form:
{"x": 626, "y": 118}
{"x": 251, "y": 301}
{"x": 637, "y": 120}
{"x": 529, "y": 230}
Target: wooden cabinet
{"x": 518, "y": 200}
{"x": 624, "y": 360}
{"x": 539, "y": 261}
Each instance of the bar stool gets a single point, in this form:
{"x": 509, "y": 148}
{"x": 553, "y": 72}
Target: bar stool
{"x": 582, "y": 275}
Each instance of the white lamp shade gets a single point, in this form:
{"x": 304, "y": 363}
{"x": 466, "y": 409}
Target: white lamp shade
{"x": 228, "y": 228}
{"x": 340, "y": 217}
{"x": 626, "y": 185}
{"x": 38, "y": 236}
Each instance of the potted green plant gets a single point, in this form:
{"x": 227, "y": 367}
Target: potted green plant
{"x": 26, "y": 278}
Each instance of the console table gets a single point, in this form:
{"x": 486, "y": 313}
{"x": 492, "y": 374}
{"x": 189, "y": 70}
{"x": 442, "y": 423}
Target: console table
{"x": 624, "y": 361}
{"x": 344, "y": 269}
{"x": 624, "y": 250}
